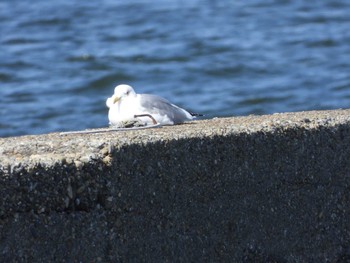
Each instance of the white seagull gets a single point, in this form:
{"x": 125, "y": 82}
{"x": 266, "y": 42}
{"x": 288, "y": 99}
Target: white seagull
{"x": 126, "y": 105}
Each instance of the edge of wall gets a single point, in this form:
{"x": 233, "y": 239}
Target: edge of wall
{"x": 256, "y": 188}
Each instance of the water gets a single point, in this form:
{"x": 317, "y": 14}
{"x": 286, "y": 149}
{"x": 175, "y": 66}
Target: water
{"x": 60, "y": 60}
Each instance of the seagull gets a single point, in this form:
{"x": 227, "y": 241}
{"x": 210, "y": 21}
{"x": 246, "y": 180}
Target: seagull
{"x": 125, "y": 105}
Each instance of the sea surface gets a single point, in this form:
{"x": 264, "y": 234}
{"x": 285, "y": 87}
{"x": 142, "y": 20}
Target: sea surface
{"x": 60, "y": 60}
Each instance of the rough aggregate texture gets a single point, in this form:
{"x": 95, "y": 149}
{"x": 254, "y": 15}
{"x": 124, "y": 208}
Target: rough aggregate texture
{"x": 272, "y": 188}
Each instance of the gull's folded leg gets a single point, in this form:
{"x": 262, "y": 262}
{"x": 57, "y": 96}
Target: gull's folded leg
{"x": 146, "y": 115}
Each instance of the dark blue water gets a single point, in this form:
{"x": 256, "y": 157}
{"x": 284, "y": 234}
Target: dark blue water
{"x": 60, "y": 60}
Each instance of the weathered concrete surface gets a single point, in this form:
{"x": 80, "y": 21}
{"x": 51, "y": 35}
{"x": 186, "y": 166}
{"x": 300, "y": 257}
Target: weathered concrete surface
{"x": 249, "y": 189}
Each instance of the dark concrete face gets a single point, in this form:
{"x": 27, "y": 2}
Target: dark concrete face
{"x": 269, "y": 188}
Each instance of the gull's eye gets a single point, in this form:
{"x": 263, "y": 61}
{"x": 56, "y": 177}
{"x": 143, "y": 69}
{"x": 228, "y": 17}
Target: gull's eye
{"x": 127, "y": 93}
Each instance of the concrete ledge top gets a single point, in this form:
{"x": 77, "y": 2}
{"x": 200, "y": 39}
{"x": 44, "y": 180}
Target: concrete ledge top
{"x": 48, "y": 149}
{"x": 272, "y": 188}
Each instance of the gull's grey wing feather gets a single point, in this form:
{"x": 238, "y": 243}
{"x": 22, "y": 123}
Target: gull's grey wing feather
{"x": 159, "y": 105}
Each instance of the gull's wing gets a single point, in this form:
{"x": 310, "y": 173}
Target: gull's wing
{"x": 153, "y": 104}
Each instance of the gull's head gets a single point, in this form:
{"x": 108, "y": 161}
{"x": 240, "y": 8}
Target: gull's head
{"x": 121, "y": 92}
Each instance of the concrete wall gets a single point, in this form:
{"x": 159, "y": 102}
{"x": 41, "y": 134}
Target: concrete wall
{"x": 248, "y": 189}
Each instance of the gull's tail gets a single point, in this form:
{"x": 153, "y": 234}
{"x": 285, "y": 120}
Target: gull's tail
{"x": 196, "y": 114}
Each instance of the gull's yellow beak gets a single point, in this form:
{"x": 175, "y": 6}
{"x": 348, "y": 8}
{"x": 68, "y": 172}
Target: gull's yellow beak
{"x": 115, "y": 99}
